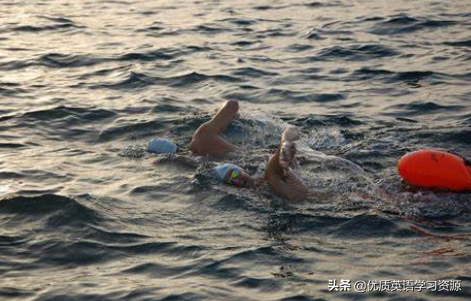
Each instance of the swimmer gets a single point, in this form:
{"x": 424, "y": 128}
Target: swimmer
{"x": 207, "y": 141}
{"x": 279, "y": 170}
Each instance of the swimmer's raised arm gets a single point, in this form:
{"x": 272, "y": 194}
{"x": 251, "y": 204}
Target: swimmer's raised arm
{"x": 278, "y": 174}
{"x": 224, "y": 117}
{"x": 206, "y": 140}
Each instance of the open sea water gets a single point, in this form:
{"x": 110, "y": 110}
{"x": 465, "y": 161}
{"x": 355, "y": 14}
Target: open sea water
{"x": 86, "y": 214}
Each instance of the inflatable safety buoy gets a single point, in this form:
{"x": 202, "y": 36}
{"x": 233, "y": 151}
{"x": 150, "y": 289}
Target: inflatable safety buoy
{"x": 435, "y": 169}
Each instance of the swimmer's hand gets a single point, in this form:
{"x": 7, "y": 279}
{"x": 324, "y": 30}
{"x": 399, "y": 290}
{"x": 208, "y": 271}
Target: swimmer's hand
{"x": 291, "y": 134}
{"x": 288, "y": 148}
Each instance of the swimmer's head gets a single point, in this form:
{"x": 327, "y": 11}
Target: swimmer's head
{"x": 233, "y": 175}
{"x": 161, "y": 146}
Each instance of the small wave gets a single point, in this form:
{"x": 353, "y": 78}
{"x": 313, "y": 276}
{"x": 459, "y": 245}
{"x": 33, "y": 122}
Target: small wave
{"x": 368, "y": 73}
{"x": 31, "y": 28}
{"x": 54, "y": 60}
{"x": 334, "y": 120}
{"x": 146, "y": 57}
{"x": 401, "y": 24}
{"x": 276, "y": 95}
{"x": 59, "y": 210}
{"x": 135, "y": 80}
{"x": 421, "y": 108}
{"x": 167, "y": 108}
{"x": 10, "y": 89}
{"x": 64, "y": 60}
{"x": 11, "y": 145}
{"x": 156, "y": 270}
{"x": 175, "y": 127}
{"x": 459, "y": 137}
{"x": 60, "y": 123}
{"x": 57, "y": 60}
{"x": 210, "y": 29}
{"x": 100, "y": 72}
{"x": 88, "y": 251}
{"x": 245, "y": 43}
{"x": 413, "y": 77}
{"x": 267, "y": 7}
{"x": 240, "y": 22}
{"x": 131, "y": 80}
{"x": 368, "y": 226}
{"x": 465, "y": 43}
{"x": 252, "y": 72}
{"x": 58, "y": 24}
{"x": 12, "y": 240}
{"x": 314, "y": 35}
{"x": 56, "y": 19}
{"x": 317, "y": 4}
{"x": 282, "y": 31}
{"x": 354, "y": 53}
{"x": 157, "y": 29}
{"x": 82, "y": 115}
{"x": 195, "y": 77}
{"x": 11, "y": 293}
{"x": 136, "y": 129}
{"x": 299, "y": 48}
{"x": 258, "y": 283}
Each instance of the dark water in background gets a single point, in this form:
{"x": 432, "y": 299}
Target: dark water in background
{"x": 84, "y": 83}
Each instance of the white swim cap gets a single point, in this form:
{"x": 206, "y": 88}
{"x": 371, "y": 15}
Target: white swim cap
{"x": 222, "y": 170}
{"x": 161, "y": 146}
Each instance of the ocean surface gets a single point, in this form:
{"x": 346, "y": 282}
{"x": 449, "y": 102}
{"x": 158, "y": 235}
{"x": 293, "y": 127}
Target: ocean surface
{"x": 86, "y": 214}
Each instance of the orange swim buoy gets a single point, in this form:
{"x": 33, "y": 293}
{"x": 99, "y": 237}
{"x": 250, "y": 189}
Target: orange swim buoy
{"x": 435, "y": 169}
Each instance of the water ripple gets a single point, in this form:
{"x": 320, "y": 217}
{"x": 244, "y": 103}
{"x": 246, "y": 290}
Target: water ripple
{"x": 403, "y": 24}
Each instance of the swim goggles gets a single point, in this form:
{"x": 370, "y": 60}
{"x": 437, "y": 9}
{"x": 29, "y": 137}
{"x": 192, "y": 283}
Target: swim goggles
{"x": 233, "y": 176}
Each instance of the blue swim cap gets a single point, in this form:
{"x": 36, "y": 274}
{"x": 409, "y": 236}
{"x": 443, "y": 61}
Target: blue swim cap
{"x": 161, "y": 146}
{"x": 222, "y": 170}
